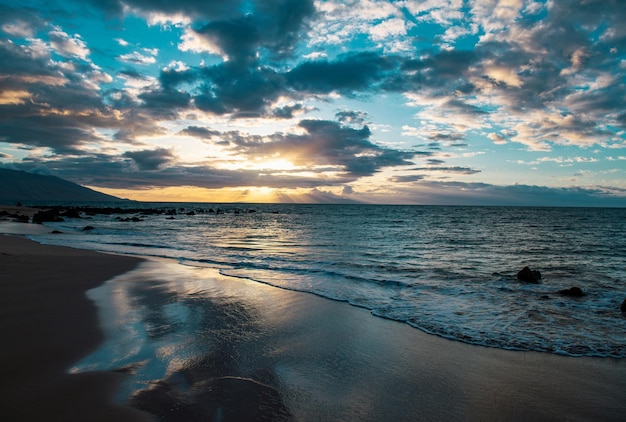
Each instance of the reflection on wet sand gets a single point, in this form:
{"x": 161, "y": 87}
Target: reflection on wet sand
{"x": 197, "y": 345}
{"x": 206, "y": 353}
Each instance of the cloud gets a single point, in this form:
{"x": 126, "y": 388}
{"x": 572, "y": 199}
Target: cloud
{"x": 407, "y": 178}
{"x": 351, "y": 117}
{"x": 137, "y": 58}
{"x": 543, "y": 75}
{"x": 443, "y": 169}
{"x": 18, "y": 22}
{"x": 460, "y": 193}
{"x": 274, "y": 25}
{"x": 350, "y": 73}
{"x": 192, "y": 8}
{"x": 68, "y": 46}
{"x": 289, "y": 111}
{"x": 154, "y": 159}
{"x": 325, "y": 147}
{"x": 497, "y": 138}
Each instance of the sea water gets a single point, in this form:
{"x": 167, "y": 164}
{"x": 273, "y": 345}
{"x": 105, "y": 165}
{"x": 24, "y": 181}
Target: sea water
{"x": 449, "y": 271}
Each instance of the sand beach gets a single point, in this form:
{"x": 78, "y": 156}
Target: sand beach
{"x": 47, "y": 323}
{"x": 231, "y": 349}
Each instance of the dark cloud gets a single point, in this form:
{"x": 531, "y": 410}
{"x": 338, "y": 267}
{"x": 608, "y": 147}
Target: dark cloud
{"x": 287, "y": 112}
{"x": 353, "y": 72}
{"x": 273, "y": 26}
{"x": 440, "y": 66}
{"x": 192, "y": 8}
{"x": 172, "y": 78}
{"x": 326, "y": 146}
{"x": 565, "y": 64}
{"x": 17, "y": 17}
{"x": 132, "y": 73}
{"x": 454, "y": 169}
{"x": 153, "y": 159}
{"x": 64, "y": 135}
{"x": 229, "y": 88}
{"x": 122, "y": 173}
{"x": 434, "y": 161}
{"x": 200, "y": 132}
{"x": 408, "y": 178}
{"x": 351, "y": 117}
{"x": 459, "y": 193}
{"x": 237, "y": 38}
{"x": 165, "y": 102}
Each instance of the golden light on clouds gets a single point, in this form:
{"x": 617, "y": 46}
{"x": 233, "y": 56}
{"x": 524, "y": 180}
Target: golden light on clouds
{"x": 195, "y": 194}
{"x": 13, "y": 97}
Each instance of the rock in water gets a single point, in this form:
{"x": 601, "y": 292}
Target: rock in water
{"x": 528, "y": 275}
{"x": 573, "y": 292}
{"x": 623, "y": 307}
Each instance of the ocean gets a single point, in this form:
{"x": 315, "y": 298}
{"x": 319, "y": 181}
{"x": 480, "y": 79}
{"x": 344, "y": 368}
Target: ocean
{"x": 446, "y": 270}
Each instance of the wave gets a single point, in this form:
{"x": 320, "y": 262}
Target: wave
{"x": 445, "y": 271}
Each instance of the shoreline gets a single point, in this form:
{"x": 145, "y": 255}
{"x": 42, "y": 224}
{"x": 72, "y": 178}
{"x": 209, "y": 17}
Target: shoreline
{"x": 328, "y": 360}
{"x": 48, "y": 323}
{"x": 325, "y": 359}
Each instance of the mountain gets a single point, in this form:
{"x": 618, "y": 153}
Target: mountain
{"x": 28, "y": 187}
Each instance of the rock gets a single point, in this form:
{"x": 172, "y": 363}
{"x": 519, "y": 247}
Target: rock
{"x": 623, "y": 307}
{"x": 529, "y": 276}
{"x": 71, "y": 213}
{"x": 45, "y": 216}
{"x": 572, "y": 291}
{"x": 21, "y": 218}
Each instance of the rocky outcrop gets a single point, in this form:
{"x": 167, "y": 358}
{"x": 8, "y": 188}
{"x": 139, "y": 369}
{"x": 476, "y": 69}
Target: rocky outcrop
{"x": 529, "y": 276}
{"x": 44, "y": 216}
{"x": 572, "y": 292}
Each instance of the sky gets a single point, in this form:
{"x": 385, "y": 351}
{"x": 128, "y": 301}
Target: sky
{"x": 471, "y": 102}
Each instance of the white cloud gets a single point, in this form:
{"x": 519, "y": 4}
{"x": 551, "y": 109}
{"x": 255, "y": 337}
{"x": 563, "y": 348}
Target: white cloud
{"x": 343, "y": 22}
{"x": 387, "y": 29}
{"x": 495, "y": 15}
{"x": 504, "y": 74}
{"x": 195, "y": 43}
{"x": 138, "y": 58}
{"x": 316, "y": 55}
{"x": 497, "y": 138}
{"x": 442, "y": 12}
{"x": 68, "y": 46}
{"x": 18, "y": 29}
{"x": 412, "y": 131}
{"x": 151, "y": 51}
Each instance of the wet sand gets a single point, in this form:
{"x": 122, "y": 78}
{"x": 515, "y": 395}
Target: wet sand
{"x": 218, "y": 343}
{"x": 199, "y": 345}
{"x": 47, "y": 323}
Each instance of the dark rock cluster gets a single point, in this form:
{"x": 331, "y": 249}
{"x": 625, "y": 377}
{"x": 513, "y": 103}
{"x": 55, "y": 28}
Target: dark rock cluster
{"x": 529, "y": 276}
{"x": 572, "y": 292}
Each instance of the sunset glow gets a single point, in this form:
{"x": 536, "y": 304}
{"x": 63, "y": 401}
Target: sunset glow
{"x": 417, "y": 102}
